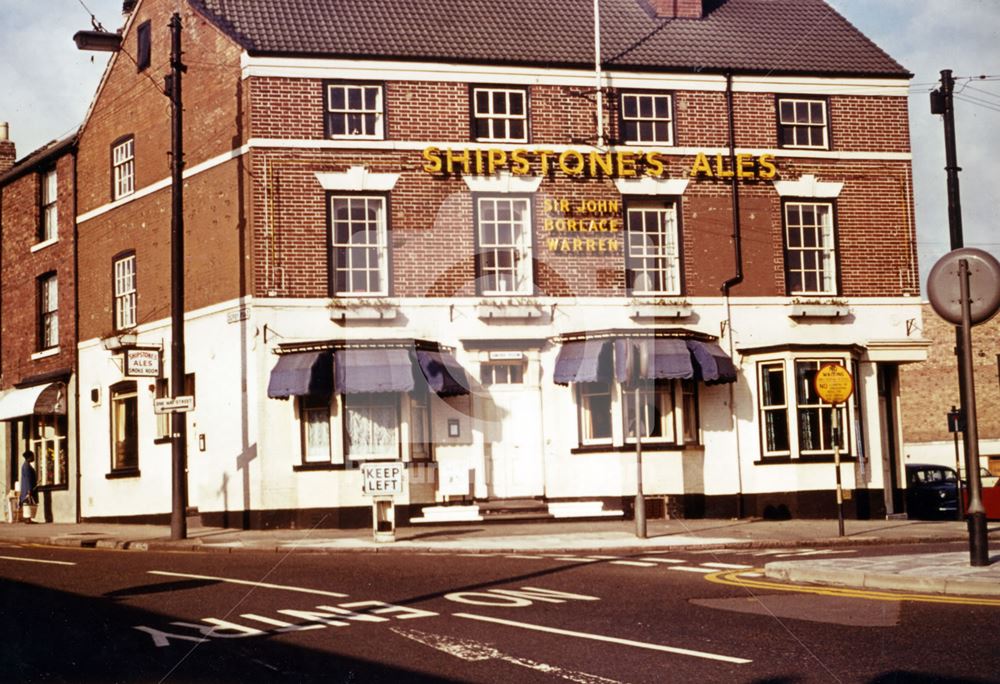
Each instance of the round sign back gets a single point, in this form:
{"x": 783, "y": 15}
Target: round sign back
{"x": 943, "y": 286}
{"x": 834, "y": 383}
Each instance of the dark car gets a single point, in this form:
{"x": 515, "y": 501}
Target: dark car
{"x": 931, "y": 492}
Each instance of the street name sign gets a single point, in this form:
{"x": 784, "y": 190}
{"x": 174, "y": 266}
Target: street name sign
{"x": 173, "y": 404}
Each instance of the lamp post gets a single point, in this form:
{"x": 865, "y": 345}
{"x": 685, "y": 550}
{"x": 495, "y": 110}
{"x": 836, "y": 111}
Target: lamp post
{"x": 178, "y": 512}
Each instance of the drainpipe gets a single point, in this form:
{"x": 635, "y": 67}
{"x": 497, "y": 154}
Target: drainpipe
{"x": 735, "y": 280}
{"x": 76, "y": 340}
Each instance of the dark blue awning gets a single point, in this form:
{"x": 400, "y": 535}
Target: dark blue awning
{"x": 712, "y": 365}
{"x": 581, "y": 361}
{"x": 444, "y": 375}
{"x": 666, "y": 358}
{"x": 360, "y": 371}
{"x": 301, "y": 374}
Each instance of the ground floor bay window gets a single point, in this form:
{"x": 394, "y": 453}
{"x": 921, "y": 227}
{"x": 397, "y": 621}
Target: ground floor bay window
{"x": 629, "y": 383}
{"x": 365, "y": 402}
{"x": 795, "y": 423}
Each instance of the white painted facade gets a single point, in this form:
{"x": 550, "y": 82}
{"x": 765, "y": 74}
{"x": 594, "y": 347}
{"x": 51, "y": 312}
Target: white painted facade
{"x": 515, "y": 440}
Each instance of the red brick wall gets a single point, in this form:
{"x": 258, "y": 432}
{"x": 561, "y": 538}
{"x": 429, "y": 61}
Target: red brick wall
{"x": 215, "y": 223}
{"x": 20, "y": 269}
{"x": 928, "y": 390}
{"x": 431, "y": 216}
{"x": 133, "y": 103}
{"x": 216, "y": 122}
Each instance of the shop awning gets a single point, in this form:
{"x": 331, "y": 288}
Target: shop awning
{"x": 444, "y": 375}
{"x": 580, "y": 361}
{"x": 45, "y": 399}
{"x": 301, "y": 374}
{"x": 713, "y": 366}
{"x": 666, "y": 358}
{"x": 373, "y": 370}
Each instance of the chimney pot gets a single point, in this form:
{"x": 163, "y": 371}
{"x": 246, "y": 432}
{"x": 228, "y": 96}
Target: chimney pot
{"x": 678, "y": 9}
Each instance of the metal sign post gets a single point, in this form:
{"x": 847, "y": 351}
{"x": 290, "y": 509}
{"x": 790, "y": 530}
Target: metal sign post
{"x": 964, "y": 289}
{"x": 835, "y": 385}
{"x": 954, "y": 427}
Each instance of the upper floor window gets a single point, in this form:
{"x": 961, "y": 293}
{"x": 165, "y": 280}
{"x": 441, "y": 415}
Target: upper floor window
{"x": 49, "y": 228}
{"x": 143, "y": 45}
{"x": 653, "y": 257}
{"x": 504, "y": 253}
{"x": 803, "y": 123}
{"x": 360, "y": 253}
{"x": 354, "y": 110}
{"x": 125, "y": 293}
{"x": 810, "y": 251}
{"x": 48, "y": 311}
{"x": 646, "y": 118}
{"x": 500, "y": 114}
{"x": 123, "y": 168}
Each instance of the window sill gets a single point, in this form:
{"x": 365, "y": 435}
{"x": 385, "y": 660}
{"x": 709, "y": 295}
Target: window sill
{"x": 45, "y": 353}
{"x": 42, "y": 245}
{"x": 629, "y": 448}
{"x": 664, "y": 310}
{"x": 52, "y": 488}
{"x": 308, "y": 467}
{"x": 122, "y": 474}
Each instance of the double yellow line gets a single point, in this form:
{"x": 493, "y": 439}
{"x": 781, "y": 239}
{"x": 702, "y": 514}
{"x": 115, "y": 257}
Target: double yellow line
{"x": 735, "y": 578}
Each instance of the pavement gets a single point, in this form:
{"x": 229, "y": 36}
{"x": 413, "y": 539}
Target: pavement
{"x": 938, "y": 573}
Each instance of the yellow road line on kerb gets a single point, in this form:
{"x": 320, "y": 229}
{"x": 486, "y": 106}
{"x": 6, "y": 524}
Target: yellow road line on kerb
{"x": 734, "y": 579}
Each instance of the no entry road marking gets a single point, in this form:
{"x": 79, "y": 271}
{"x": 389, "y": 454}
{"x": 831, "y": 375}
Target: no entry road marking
{"x": 606, "y": 639}
{"x": 728, "y": 566}
{"x": 662, "y": 560}
{"x": 35, "y": 560}
{"x": 251, "y": 583}
{"x": 688, "y": 568}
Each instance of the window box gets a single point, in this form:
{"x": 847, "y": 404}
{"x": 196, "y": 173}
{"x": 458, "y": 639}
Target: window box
{"x": 833, "y": 308}
{"x": 642, "y": 309}
{"x": 363, "y": 310}
{"x": 509, "y": 310}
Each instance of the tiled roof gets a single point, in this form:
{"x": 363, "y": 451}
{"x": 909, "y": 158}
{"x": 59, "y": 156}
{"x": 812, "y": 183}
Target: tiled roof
{"x": 745, "y": 36}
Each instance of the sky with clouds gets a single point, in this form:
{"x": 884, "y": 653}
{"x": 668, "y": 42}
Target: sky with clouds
{"x": 47, "y": 85}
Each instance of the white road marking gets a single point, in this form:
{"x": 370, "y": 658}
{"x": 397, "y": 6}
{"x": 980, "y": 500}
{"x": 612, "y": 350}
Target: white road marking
{"x": 727, "y": 566}
{"x": 751, "y": 574}
{"x": 607, "y": 639}
{"x": 251, "y": 583}
{"x": 576, "y": 559}
{"x": 35, "y": 560}
{"x": 662, "y": 560}
{"x": 467, "y": 649}
{"x": 514, "y": 555}
{"x": 636, "y": 564}
{"x": 604, "y": 557}
{"x": 815, "y": 552}
{"x": 688, "y": 568}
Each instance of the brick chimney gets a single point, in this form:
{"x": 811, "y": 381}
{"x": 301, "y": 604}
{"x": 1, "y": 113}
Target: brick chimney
{"x": 678, "y": 9}
{"x": 7, "y": 152}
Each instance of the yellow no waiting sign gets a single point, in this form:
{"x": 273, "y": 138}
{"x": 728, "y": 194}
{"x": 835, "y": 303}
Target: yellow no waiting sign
{"x": 834, "y": 383}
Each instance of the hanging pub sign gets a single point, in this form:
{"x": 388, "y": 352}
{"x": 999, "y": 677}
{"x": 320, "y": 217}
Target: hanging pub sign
{"x": 592, "y": 163}
{"x": 142, "y": 363}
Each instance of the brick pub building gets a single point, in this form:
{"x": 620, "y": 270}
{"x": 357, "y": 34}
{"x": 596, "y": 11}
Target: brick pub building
{"x": 443, "y": 234}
